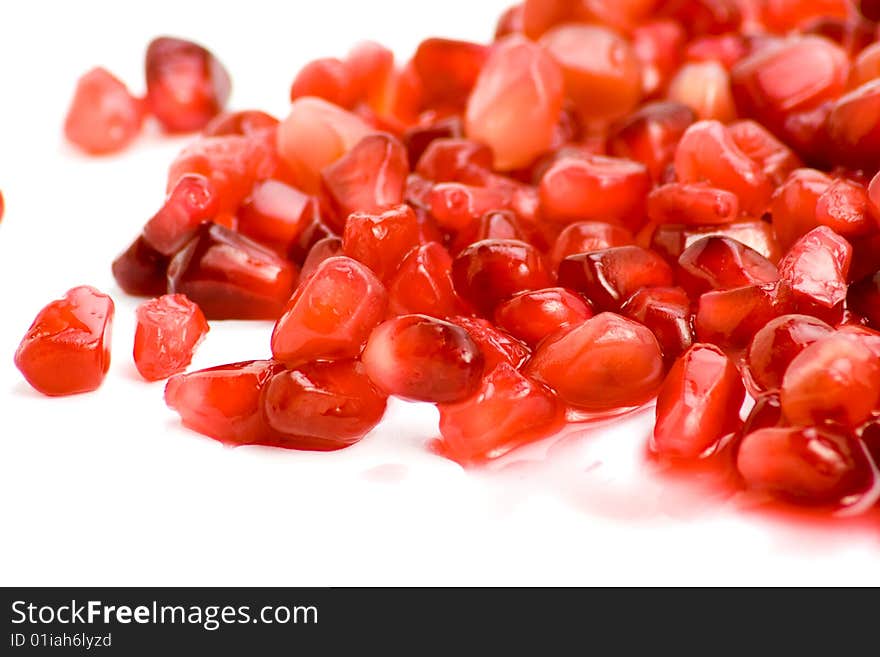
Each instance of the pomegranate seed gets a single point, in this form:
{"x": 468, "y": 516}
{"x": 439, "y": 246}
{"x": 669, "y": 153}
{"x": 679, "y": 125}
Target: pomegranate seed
{"x": 168, "y": 331}
{"x": 515, "y": 103}
{"x": 708, "y": 153}
{"x": 731, "y": 318}
{"x": 650, "y": 135}
{"x": 720, "y": 263}
{"x": 595, "y": 188}
{"x": 618, "y": 361}
{"x": 140, "y": 270}
{"x": 381, "y": 241}
{"x": 816, "y": 269}
{"x": 423, "y": 284}
{"x": 231, "y": 277}
{"x": 423, "y": 359}
{"x": 698, "y": 404}
{"x": 276, "y": 214}
{"x": 186, "y": 85}
{"x": 844, "y": 207}
{"x": 794, "y": 204}
{"x": 863, "y": 297}
{"x": 588, "y": 236}
{"x": 853, "y": 126}
{"x": 66, "y": 350}
{"x": 330, "y": 314}
{"x": 418, "y": 138}
{"x": 777, "y": 343}
{"x": 314, "y": 135}
{"x": 322, "y": 406}
{"x": 509, "y": 410}
{"x": 223, "y": 402}
{"x": 705, "y": 16}
{"x": 455, "y": 160}
{"x": 103, "y": 117}
{"x": 497, "y": 346}
{"x": 601, "y": 70}
{"x": 327, "y": 78}
{"x": 776, "y": 159}
{"x": 609, "y": 277}
{"x": 836, "y": 378}
{"x": 531, "y": 316}
{"x": 488, "y": 272}
{"x": 370, "y": 66}
{"x": 192, "y": 201}
{"x": 865, "y": 67}
{"x": 765, "y": 414}
{"x": 323, "y": 249}
{"x": 244, "y": 123}
{"x": 803, "y": 465}
{"x": 783, "y": 15}
{"x": 852, "y": 34}
{"x": 448, "y": 70}
{"x": 510, "y": 22}
{"x": 494, "y": 225}
{"x": 658, "y": 45}
{"x": 705, "y": 88}
{"x": 667, "y": 312}
{"x": 671, "y": 240}
{"x": 312, "y": 232}
{"x": 456, "y": 206}
{"x": 691, "y": 204}
{"x": 726, "y": 49}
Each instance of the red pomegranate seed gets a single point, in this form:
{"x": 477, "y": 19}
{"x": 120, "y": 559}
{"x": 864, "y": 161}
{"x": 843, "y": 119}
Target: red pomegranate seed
{"x": 423, "y": 284}
{"x": 776, "y": 159}
{"x": 726, "y": 49}
{"x": 794, "y": 204}
{"x": 691, "y": 204}
{"x": 595, "y": 188}
{"x": 667, "y": 312}
{"x": 509, "y": 410}
{"x": 618, "y": 364}
{"x": 418, "y": 138}
{"x": 609, "y": 277}
{"x": 531, "y": 316}
{"x": 865, "y": 67}
{"x": 223, "y": 402}
{"x": 497, "y": 345}
{"x": 777, "y": 343}
{"x": 192, "y": 201}
{"x": 331, "y": 313}
{"x": 836, "y": 378}
{"x": 510, "y": 22}
{"x": 312, "y": 232}
{"x": 698, "y": 404}
{"x": 720, "y": 263}
{"x": 863, "y": 297}
{"x": 816, "y": 269}
{"x": 766, "y": 413}
{"x": 853, "y": 127}
{"x": 658, "y": 45}
{"x": 422, "y": 358}
{"x": 103, "y": 117}
{"x": 168, "y": 331}
{"x": 370, "y": 66}
{"x": 704, "y": 16}
{"x": 327, "y": 78}
{"x": 650, "y": 135}
{"x": 244, "y": 123}
{"x": 707, "y": 152}
{"x": 844, "y": 207}
{"x": 314, "y": 135}
{"x": 322, "y": 406}
{"x": 705, "y": 88}
{"x": 588, "y": 236}
{"x": 381, "y": 241}
{"x": 784, "y": 15}
{"x": 323, "y": 249}
{"x": 488, "y": 272}
{"x": 455, "y": 160}
{"x": 494, "y": 225}
{"x": 671, "y": 240}
{"x": 66, "y": 350}
{"x": 369, "y": 178}
{"x": 803, "y": 465}
{"x": 731, "y": 318}
{"x": 456, "y": 206}
{"x": 852, "y": 34}
{"x": 515, "y": 103}
{"x": 448, "y": 70}
{"x": 186, "y": 85}
{"x": 276, "y": 214}
{"x": 230, "y": 276}
{"x": 140, "y": 270}
{"x": 601, "y": 70}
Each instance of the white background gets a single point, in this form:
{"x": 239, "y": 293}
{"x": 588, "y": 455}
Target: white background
{"x": 106, "y": 489}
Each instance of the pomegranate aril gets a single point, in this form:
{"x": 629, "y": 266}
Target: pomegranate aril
{"x": 863, "y": 297}
{"x": 667, "y": 312}
{"x": 766, "y": 413}
{"x": 381, "y": 241}
{"x": 456, "y": 206}
{"x": 322, "y": 406}
{"x": 705, "y": 88}
{"x": 323, "y": 249}
{"x": 618, "y": 363}
{"x": 497, "y": 346}
{"x": 658, "y": 45}
{"x": 331, "y": 313}
{"x": 422, "y": 358}
{"x": 509, "y": 410}
{"x": 794, "y": 203}
{"x": 777, "y": 343}
{"x": 816, "y": 269}
{"x": 844, "y": 207}
{"x": 531, "y": 316}
{"x": 719, "y": 263}
{"x": 455, "y": 160}
{"x": 650, "y": 135}
{"x": 488, "y": 272}
{"x": 140, "y": 270}
{"x": 704, "y": 16}
{"x": 244, "y": 123}
{"x": 423, "y": 284}
{"x": 853, "y": 127}
{"x": 369, "y": 178}
{"x": 609, "y": 277}
{"x": 671, "y": 240}
{"x": 192, "y": 201}
{"x": 776, "y": 159}
{"x": 698, "y": 404}
{"x": 419, "y": 138}
{"x": 588, "y": 236}
{"x": 103, "y": 116}
{"x": 515, "y": 103}
{"x": 230, "y": 276}
{"x": 276, "y": 214}
{"x": 186, "y": 85}
{"x": 804, "y": 465}
{"x": 66, "y": 350}
{"x": 448, "y": 70}
{"x": 168, "y": 331}
{"x": 731, "y": 318}
{"x": 223, "y": 402}
{"x": 865, "y": 67}
{"x": 370, "y": 66}
{"x": 314, "y": 230}
{"x": 494, "y": 225}
{"x": 327, "y": 78}
{"x": 691, "y": 204}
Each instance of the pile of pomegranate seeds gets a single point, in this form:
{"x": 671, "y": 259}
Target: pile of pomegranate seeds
{"x": 612, "y": 202}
